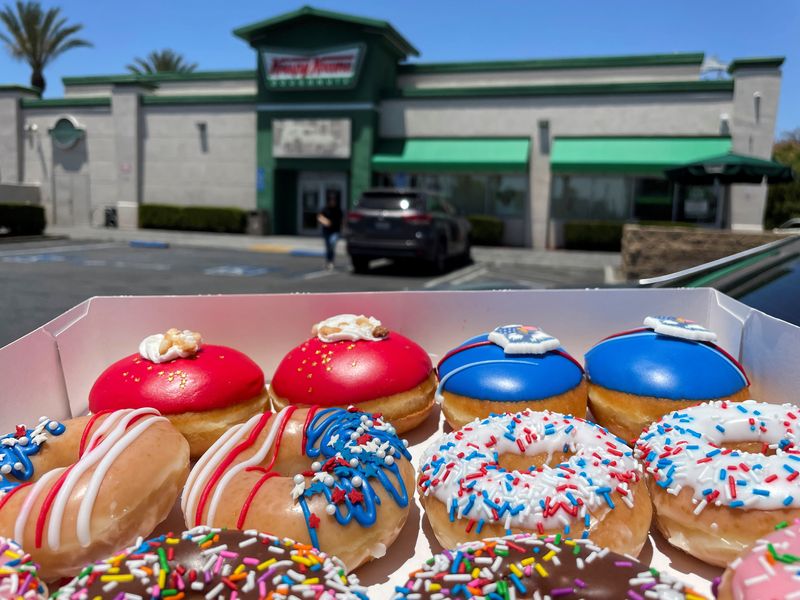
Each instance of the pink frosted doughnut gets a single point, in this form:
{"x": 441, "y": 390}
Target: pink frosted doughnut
{"x": 768, "y": 570}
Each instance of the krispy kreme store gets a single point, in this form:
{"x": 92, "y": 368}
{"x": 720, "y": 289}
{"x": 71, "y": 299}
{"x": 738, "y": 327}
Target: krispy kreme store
{"x": 338, "y": 103}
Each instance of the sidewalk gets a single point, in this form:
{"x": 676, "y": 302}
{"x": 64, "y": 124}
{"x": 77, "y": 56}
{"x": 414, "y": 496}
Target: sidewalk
{"x": 312, "y": 246}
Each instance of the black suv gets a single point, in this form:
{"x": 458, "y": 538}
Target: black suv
{"x": 400, "y": 223}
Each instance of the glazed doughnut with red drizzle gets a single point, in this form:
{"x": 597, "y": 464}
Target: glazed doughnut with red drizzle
{"x": 19, "y": 575}
{"x": 95, "y": 485}
{"x": 203, "y": 389}
{"x": 338, "y": 479}
{"x": 354, "y": 360}
{"x": 219, "y": 564}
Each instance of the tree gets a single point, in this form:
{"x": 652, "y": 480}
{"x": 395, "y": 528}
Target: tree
{"x": 161, "y": 61}
{"x": 38, "y": 37}
{"x": 783, "y": 200}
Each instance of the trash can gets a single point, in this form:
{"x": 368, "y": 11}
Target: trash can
{"x": 110, "y": 219}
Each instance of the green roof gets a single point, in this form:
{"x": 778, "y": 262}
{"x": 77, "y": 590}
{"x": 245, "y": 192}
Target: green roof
{"x": 159, "y": 77}
{"x": 452, "y": 155}
{"x": 760, "y": 62}
{"x": 584, "y": 62}
{"x": 256, "y": 30}
{"x": 13, "y": 87}
{"x": 631, "y": 154}
{"x": 81, "y": 102}
{"x": 568, "y": 89}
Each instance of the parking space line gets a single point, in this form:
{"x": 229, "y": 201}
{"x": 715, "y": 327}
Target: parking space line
{"x": 53, "y": 249}
{"x": 317, "y": 274}
{"x": 450, "y": 277}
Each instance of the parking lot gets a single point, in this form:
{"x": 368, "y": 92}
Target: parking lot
{"x": 42, "y": 279}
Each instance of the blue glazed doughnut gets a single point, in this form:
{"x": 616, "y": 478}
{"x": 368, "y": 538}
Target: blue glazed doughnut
{"x": 669, "y": 364}
{"x": 489, "y": 374}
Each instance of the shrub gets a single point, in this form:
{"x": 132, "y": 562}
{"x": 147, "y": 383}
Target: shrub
{"x": 783, "y": 203}
{"x": 593, "y": 235}
{"x": 22, "y": 219}
{"x": 193, "y": 218}
{"x": 485, "y": 231}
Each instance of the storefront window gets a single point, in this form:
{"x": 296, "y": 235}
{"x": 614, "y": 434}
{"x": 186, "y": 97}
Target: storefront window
{"x": 698, "y": 204}
{"x": 592, "y": 197}
{"x": 652, "y": 199}
{"x": 503, "y": 196}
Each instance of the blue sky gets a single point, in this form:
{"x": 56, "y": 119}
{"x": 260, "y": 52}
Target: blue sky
{"x": 443, "y": 30}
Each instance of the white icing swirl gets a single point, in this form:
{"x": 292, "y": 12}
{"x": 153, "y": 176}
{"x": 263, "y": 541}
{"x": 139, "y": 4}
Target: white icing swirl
{"x": 180, "y": 344}
{"x": 348, "y": 327}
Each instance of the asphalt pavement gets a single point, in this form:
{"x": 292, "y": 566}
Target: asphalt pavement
{"x": 41, "y": 279}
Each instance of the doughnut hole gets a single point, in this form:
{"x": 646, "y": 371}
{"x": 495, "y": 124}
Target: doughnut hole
{"x": 627, "y": 415}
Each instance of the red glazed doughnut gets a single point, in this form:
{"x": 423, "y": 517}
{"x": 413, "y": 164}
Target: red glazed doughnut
{"x": 202, "y": 389}
{"x": 354, "y": 360}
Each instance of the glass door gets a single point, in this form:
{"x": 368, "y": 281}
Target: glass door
{"x": 314, "y": 191}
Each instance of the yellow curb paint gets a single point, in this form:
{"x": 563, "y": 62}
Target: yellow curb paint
{"x": 269, "y": 248}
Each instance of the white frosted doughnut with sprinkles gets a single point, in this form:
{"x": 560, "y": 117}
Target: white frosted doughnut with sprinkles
{"x": 539, "y": 472}
{"x": 722, "y": 475}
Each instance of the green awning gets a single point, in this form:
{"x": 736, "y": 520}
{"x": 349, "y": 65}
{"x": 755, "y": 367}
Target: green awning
{"x": 452, "y": 155}
{"x": 631, "y": 154}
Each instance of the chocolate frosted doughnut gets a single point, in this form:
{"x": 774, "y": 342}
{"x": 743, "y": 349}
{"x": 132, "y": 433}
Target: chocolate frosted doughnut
{"x": 216, "y": 563}
{"x": 527, "y": 566}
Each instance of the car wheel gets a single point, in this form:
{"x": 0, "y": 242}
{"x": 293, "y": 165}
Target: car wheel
{"x": 360, "y": 264}
{"x": 439, "y": 260}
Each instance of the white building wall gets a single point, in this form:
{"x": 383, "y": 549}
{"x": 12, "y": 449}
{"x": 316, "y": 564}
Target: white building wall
{"x": 180, "y": 167}
{"x": 645, "y": 114}
{"x": 85, "y": 175}
{"x": 548, "y": 77}
{"x": 170, "y": 88}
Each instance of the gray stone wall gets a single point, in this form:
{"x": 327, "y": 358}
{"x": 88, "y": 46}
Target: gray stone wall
{"x": 200, "y": 155}
{"x": 653, "y": 251}
{"x": 83, "y": 177}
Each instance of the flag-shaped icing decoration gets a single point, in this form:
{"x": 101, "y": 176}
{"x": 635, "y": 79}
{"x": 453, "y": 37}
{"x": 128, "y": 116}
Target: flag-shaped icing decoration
{"x": 680, "y": 328}
{"x": 523, "y": 339}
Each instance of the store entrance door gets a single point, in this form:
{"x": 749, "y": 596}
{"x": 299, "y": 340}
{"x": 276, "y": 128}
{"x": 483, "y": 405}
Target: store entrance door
{"x": 313, "y": 190}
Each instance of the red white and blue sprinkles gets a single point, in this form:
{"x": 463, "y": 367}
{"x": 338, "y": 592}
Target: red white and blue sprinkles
{"x": 542, "y": 568}
{"x": 462, "y": 470}
{"x": 686, "y": 448}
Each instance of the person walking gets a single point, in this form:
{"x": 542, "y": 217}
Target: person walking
{"x": 330, "y": 218}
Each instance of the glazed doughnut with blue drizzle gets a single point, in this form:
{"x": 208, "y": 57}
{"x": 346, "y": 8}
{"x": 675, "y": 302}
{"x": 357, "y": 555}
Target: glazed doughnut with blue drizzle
{"x": 509, "y": 369}
{"x": 671, "y": 363}
{"x": 338, "y": 479}
{"x": 534, "y": 472}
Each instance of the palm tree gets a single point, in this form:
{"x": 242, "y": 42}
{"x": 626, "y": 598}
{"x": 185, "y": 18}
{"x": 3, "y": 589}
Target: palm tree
{"x": 38, "y": 37}
{"x": 161, "y": 61}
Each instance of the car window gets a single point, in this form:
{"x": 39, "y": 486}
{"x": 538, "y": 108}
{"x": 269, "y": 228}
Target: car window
{"x": 775, "y": 292}
{"x": 389, "y": 202}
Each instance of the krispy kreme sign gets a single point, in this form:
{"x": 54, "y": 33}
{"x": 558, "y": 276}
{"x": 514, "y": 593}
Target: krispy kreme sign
{"x": 334, "y": 67}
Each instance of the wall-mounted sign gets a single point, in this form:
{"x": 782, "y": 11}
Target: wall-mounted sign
{"x": 328, "y": 68}
{"x": 311, "y": 138}
{"x": 65, "y": 133}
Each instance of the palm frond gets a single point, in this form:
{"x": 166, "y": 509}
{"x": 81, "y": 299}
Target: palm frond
{"x": 161, "y": 61}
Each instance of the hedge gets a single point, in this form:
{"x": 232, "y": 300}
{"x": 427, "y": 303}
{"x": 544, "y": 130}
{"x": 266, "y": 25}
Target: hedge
{"x": 485, "y": 231}
{"x": 22, "y": 219}
{"x": 604, "y": 235}
{"x": 193, "y": 218}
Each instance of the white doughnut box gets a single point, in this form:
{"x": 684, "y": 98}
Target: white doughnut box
{"x": 50, "y": 370}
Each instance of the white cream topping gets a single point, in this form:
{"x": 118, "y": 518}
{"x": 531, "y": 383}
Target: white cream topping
{"x": 164, "y": 347}
{"x": 349, "y": 327}
{"x": 467, "y": 459}
{"x": 686, "y": 448}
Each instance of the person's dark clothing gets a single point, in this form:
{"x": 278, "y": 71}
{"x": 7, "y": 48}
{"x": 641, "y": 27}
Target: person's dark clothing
{"x": 334, "y": 215}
